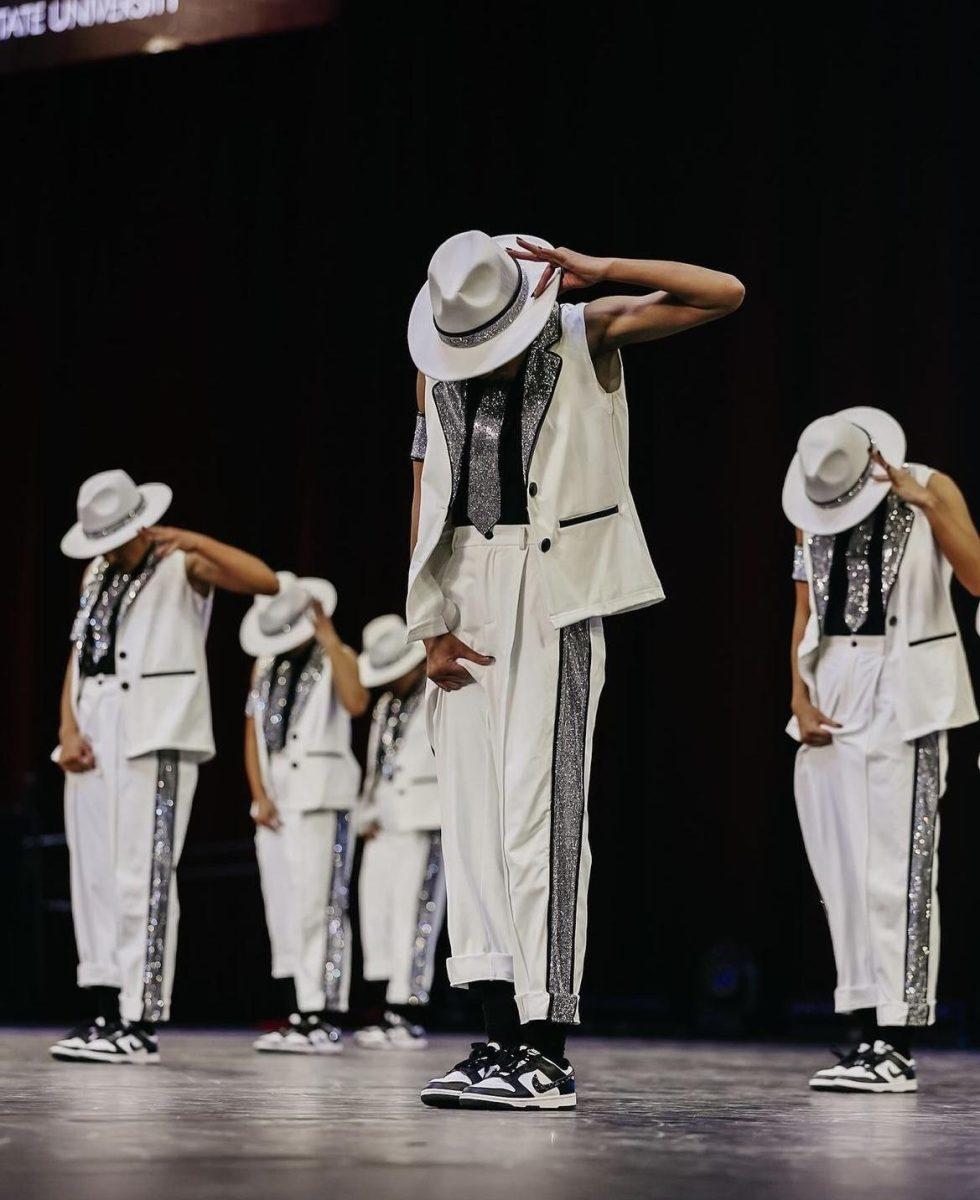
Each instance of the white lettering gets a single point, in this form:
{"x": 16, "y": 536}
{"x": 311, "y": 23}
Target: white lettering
{"x": 60, "y": 16}
{"x": 23, "y": 20}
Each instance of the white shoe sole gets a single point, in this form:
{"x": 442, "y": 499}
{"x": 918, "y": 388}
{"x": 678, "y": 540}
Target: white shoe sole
{"x": 438, "y": 1098}
{"x": 530, "y": 1104}
{"x": 113, "y": 1060}
{"x": 897, "y": 1086}
{"x": 420, "y": 1044}
{"x": 64, "y": 1053}
{"x": 330, "y": 1048}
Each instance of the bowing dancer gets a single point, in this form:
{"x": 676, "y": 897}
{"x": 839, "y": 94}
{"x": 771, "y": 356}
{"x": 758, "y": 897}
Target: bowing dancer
{"x": 527, "y": 536}
{"x": 304, "y": 781}
{"x": 879, "y": 675}
{"x": 135, "y": 726}
{"x": 402, "y": 886}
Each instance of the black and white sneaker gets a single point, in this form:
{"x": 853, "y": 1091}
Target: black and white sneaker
{"x": 394, "y": 1033}
{"x": 445, "y": 1091}
{"x": 303, "y": 1035}
{"x": 827, "y": 1077}
{"x": 523, "y": 1078}
{"x": 879, "y": 1068}
{"x": 66, "y": 1050}
{"x": 122, "y": 1043}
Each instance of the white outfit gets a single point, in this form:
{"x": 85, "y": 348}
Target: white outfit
{"x": 584, "y": 530}
{"x": 149, "y": 725}
{"x": 513, "y": 755}
{"x": 402, "y": 886}
{"x": 305, "y": 865}
{"x": 868, "y": 802}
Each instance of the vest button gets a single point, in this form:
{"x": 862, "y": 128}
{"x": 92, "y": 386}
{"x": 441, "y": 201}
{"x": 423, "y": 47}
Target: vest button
{"x": 893, "y": 620}
{"x": 294, "y": 765}
{"x": 853, "y": 643}
{"x": 546, "y": 545}
{"x": 532, "y": 489}
{"x": 122, "y": 653}
{"x": 489, "y": 534}
{"x": 124, "y": 686}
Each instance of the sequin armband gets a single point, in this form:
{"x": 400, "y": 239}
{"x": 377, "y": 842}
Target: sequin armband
{"x": 799, "y": 565}
{"x": 419, "y": 442}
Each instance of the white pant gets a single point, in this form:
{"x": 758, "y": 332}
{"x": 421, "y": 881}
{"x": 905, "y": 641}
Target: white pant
{"x": 868, "y": 806}
{"x": 304, "y": 867}
{"x": 402, "y": 895}
{"x": 125, "y": 822}
{"x": 513, "y": 754}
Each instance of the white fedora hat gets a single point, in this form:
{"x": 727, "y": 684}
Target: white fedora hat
{"x": 477, "y": 311}
{"x": 386, "y": 655}
{"x": 111, "y": 511}
{"x": 830, "y": 485}
{"x": 277, "y": 624}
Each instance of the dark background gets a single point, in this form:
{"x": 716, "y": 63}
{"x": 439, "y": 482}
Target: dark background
{"x": 208, "y": 261}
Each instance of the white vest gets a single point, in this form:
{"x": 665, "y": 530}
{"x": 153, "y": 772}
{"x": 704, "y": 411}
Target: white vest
{"x": 935, "y": 692}
{"x": 161, "y": 664}
{"x": 583, "y": 524}
{"x": 323, "y": 772}
{"x": 410, "y": 799}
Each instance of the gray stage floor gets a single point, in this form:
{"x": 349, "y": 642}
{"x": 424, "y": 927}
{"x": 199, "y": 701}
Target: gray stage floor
{"x": 654, "y": 1120}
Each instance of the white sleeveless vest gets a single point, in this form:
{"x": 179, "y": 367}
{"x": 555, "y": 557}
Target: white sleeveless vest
{"x": 323, "y": 771}
{"x": 161, "y": 663}
{"x": 935, "y": 692}
{"x": 583, "y": 523}
{"x": 410, "y": 799}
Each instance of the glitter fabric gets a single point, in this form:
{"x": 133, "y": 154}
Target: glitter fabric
{"x": 898, "y": 525}
{"x": 308, "y": 677}
{"x": 161, "y": 870}
{"x": 104, "y": 603}
{"x": 858, "y": 575}
{"x": 430, "y": 901}
{"x": 337, "y": 963}
{"x": 922, "y": 854}
{"x": 450, "y": 400}
{"x": 483, "y": 494}
{"x": 421, "y": 438}
{"x": 394, "y": 714}
{"x": 270, "y": 696}
{"x": 821, "y": 560}
{"x": 495, "y": 327}
{"x": 799, "y": 565}
{"x": 567, "y": 814}
{"x": 540, "y": 381}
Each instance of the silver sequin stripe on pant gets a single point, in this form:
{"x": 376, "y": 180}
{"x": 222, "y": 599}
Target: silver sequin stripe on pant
{"x": 513, "y": 754}
{"x": 125, "y": 823}
{"x": 868, "y": 806}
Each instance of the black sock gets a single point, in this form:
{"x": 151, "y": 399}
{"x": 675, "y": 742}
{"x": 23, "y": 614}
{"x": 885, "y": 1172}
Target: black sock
{"x": 148, "y": 1027}
{"x": 503, "y": 1025}
{"x": 107, "y": 1004}
{"x": 867, "y": 1019}
{"x": 285, "y": 990}
{"x": 373, "y": 1009}
{"x": 547, "y": 1037}
{"x": 897, "y": 1036}
{"x": 407, "y": 1012}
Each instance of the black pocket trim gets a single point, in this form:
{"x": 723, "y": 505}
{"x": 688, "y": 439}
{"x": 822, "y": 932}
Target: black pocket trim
{"x": 424, "y": 779}
{"x": 595, "y": 516}
{"x": 938, "y": 637}
{"x": 162, "y": 674}
{"x": 323, "y": 754}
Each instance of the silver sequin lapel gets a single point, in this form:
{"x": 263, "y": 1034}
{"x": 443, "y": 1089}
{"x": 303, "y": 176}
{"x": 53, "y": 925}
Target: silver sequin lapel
{"x": 540, "y": 381}
{"x": 898, "y": 525}
{"x": 450, "y": 400}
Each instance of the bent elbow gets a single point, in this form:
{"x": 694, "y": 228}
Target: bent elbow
{"x": 733, "y": 294}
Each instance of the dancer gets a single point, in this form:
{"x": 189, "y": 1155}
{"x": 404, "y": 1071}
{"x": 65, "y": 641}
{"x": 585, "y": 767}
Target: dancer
{"x": 135, "y": 725}
{"x": 402, "y": 888}
{"x": 879, "y": 676}
{"x": 527, "y": 535}
{"x": 304, "y": 781}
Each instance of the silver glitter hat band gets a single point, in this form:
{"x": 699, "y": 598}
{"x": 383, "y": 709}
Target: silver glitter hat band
{"x": 116, "y": 525}
{"x": 491, "y": 329}
{"x": 855, "y": 488}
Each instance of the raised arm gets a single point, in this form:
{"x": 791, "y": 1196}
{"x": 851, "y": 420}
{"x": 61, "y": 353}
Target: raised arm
{"x": 947, "y": 512}
{"x": 353, "y": 695}
{"x": 678, "y": 296}
{"x": 214, "y": 564}
{"x": 417, "y": 464}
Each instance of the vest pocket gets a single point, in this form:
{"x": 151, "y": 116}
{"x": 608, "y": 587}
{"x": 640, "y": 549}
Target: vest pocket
{"x": 164, "y": 674}
{"x": 323, "y": 754}
{"x": 936, "y": 637}
{"x": 565, "y": 522}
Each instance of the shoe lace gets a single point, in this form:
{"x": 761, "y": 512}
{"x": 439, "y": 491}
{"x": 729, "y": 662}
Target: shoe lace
{"x": 852, "y": 1057}
{"x": 512, "y": 1059}
{"x": 481, "y": 1053}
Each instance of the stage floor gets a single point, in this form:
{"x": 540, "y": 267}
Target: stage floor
{"x": 655, "y": 1119}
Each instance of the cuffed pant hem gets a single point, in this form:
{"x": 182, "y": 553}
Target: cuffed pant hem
{"x": 315, "y": 1002}
{"x": 848, "y": 1000}
{"x": 94, "y": 975}
{"x": 544, "y": 1006}
{"x": 898, "y": 1014}
{"x": 131, "y": 1009}
{"x": 472, "y": 968}
{"x": 372, "y": 973}
{"x": 282, "y": 970}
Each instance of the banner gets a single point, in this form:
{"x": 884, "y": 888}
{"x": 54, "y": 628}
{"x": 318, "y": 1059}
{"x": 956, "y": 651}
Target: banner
{"x": 45, "y": 32}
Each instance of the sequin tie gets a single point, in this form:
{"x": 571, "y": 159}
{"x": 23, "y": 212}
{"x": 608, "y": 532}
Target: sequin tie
{"x": 483, "y": 498}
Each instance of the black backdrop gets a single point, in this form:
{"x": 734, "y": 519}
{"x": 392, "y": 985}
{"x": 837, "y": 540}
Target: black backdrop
{"x": 208, "y": 263}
